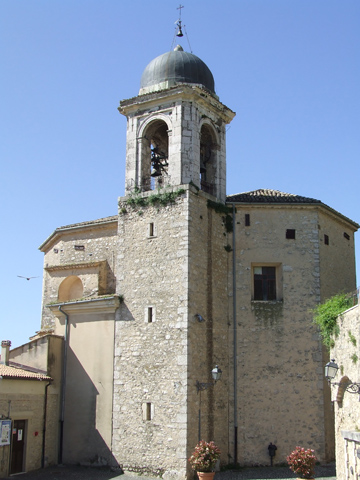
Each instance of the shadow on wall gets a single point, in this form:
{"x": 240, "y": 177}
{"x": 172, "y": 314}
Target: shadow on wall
{"x": 83, "y": 444}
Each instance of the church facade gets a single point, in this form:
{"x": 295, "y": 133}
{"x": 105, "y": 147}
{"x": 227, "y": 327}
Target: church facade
{"x": 185, "y": 278}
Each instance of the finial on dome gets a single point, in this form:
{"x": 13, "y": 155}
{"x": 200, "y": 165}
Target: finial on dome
{"x": 179, "y": 33}
{"x": 178, "y": 48}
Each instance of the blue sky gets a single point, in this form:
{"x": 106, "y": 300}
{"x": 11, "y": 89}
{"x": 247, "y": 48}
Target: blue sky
{"x": 290, "y": 69}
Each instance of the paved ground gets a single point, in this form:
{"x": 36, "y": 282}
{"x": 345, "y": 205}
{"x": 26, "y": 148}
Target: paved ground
{"x": 325, "y": 472}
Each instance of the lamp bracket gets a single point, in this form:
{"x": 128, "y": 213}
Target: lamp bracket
{"x": 350, "y": 387}
{"x": 201, "y": 386}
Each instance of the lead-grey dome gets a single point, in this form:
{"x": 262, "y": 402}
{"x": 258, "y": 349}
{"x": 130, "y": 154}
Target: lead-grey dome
{"x": 175, "y": 67}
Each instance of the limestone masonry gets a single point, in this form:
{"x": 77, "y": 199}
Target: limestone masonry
{"x": 185, "y": 278}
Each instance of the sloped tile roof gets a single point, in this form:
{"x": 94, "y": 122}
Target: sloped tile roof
{"x": 264, "y": 195}
{"x": 268, "y": 196}
{"x": 14, "y": 373}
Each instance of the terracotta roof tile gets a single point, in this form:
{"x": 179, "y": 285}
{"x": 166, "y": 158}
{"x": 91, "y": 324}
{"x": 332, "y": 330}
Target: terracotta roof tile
{"x": 264, "y": 195}
{"x": 13, "y": 373}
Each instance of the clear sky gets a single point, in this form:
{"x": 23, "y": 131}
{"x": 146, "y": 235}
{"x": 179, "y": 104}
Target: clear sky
{"x": 290, "y": 69}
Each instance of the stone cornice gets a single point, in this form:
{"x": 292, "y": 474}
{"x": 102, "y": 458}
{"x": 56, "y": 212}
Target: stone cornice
{"x": 180, "y": 92}
{"x": 75, "y": 266}
{"x": 108, "y": 304}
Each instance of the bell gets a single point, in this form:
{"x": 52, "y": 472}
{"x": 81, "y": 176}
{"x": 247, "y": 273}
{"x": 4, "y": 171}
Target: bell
{"x": 155, "y": 172}
{"x": 179, "y": 33}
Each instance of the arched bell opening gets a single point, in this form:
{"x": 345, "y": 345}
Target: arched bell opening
{"x": 208, "y": 159}
{"x": 70, "y": 289}
{"x": 154, "y": 155}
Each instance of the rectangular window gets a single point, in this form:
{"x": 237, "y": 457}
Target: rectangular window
{"x": 247, "y": 219}
{"x": 264, "y": 283}
{"x": 347, "y": 236}
{"x": 150, "y": 315}
{"x": 326, "y": 239}
{"x": 290, "y": 234}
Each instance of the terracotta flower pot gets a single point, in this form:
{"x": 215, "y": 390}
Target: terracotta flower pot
{"x": 206, "y": 475}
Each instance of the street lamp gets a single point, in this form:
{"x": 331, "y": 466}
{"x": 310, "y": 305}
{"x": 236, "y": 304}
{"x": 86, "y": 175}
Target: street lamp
{"x": 216, "y": 375}
{"x": 331, "y": 369}
{"x": 200, "y": 386}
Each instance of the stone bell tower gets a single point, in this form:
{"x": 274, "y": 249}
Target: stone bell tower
{"x": 176, "y": 127}
{"x": 172, "y": 269}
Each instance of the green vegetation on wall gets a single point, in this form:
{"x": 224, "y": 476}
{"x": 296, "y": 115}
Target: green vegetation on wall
{"x": 326, "y": 317}
{"x": 159, "y": 198}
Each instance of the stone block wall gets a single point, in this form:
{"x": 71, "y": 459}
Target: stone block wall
{"x": 87, "y": 251}
{"x": 24, "y": 400}
{"x": 337, "y": 258}
{"x": 346, "y": 404}
{"x": 45, "y": 353}
{"x": 279, "y": 348}
{"x": 209, "y": 258}
{"x": 151, "y": 339}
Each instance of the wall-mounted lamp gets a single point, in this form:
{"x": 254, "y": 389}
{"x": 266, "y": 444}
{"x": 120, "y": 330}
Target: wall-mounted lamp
{"x": 199, "y": 317}
{"x": 216, "y": 375}
{"x": 331, "y": 369}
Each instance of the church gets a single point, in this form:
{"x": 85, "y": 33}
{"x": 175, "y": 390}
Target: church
{"x": 188, "y": 315}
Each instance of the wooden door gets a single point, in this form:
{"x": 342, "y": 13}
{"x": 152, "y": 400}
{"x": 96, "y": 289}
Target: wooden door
{"x": 18, "y": 446}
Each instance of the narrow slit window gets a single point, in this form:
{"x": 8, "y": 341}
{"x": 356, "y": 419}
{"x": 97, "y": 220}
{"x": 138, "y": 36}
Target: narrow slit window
{"x": 151, "y": 229}
{"x": 326, "y": 239}
{"x": 347, "y": 236}
{"x": 148, "y": 411}
{"x": 150, "y": 314}
{"x": 290, "y": 234}
{"x": 247, "y": 219}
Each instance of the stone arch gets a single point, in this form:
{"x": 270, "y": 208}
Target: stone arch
{"x": 154, "y": 152}
{"x": 70, "y": 288}
{"x": 209, "y": 158}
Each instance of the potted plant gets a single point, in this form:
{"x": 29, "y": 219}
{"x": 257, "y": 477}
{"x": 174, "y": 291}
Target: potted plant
{"x": 302, "y": 462}
{"x": 204, "y": 458}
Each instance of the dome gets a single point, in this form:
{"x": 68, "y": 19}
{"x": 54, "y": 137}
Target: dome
{"x": 175, "y": 67}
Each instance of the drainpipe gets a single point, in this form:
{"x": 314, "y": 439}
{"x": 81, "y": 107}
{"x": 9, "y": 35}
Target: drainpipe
{"x": 63, "y": 385}
{"x": 235, "y": 342}
{"x": 44, "y": 427}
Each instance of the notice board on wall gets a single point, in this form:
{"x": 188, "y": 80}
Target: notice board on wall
{"x": 5, "y": 432}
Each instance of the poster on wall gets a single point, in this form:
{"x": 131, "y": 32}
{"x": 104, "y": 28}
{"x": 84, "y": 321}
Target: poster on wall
{"x": 5, "y": 432}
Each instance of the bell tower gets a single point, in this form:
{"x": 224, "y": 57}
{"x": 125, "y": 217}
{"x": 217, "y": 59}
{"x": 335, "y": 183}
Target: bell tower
{"x": 176, "y": 127}
{"x": 172, "y": 265}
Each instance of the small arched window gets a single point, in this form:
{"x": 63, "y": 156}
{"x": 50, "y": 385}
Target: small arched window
{"x": 208, "y": 159}
{"x": 70, "y": 289}
{"x": 155, "y": 155}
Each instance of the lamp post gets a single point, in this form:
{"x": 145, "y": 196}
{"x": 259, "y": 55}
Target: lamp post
{"x": 216, "y": 373}
{"x": 331, "y": 369}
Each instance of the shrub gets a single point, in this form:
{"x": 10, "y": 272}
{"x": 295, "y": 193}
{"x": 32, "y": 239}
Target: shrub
{"x": 326, "y": 316}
